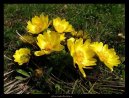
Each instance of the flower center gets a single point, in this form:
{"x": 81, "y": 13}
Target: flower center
{"x": 102, "y": 56}
{"x": 48, "y": 47}
{"x": 79, "y": 56}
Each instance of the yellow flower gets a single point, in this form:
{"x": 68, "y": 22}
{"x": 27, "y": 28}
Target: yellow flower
{"x": 73, "y": 33}
{"x": 79, "y": 34}
{"x": 82, "y": 34}
{"x": 38, "y": 24}
{"x": 22, "y": 55}
{"x": 108, "y": 56}
{"x": 62, "y": 25}
{"x": 48, "y": 42}
{"x": 81, "y": 53}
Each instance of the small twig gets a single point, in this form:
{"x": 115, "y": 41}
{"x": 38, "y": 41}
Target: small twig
{"x": 24, "y": 89}
{"x": 8, "y": 72}
{"x": 24, "y": 38}
{"x": 9, "y": 83}
{"x": 92, "y": 87}
{"x": 5, "y": 79}
{"x": 6, "y": 92}
{"x": 21, "y": 36}
{"x": 114, "y": 89}
{"x": 83, "y": 87}
{"x": 11, "y": 86}
{"x": 8, "y": 58}
{"x": 113, "y": 83}
{"x": 74, "y": 86}
{"x": 12, "y": 91}
{"x": 60, "y": 81}
{"x": 113, "y": 86}
{"x": 20, "y": 92}
{"x": 35, "y": 64}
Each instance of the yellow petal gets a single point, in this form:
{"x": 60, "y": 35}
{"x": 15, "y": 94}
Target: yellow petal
{"x": 39, "y": 53}
{"x": 79, "y": 33}
{"x": 70, "y": 45}
{"x": 69, "y": 28}
{"x": 87, "y": 42}
{"x": 36, "y": 20}
{"x": 41, "y": 43}
{"x": 78, "y": 44}
{"x": 82, "y": 71}
{"x": 58, "y": 47}
{"x": 62, "y": 37}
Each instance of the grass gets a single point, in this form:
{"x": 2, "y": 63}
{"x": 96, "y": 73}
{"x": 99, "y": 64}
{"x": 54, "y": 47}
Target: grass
{"x": 102, "y": 21}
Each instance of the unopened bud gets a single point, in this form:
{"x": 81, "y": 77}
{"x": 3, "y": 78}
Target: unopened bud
{"x": 39, "y": 72}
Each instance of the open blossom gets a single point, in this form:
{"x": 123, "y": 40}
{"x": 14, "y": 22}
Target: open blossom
{"x": 81, "y": 53}
{"x": 22, "y": 56}
{"x": 38, "y": 24}
{"x": 48, "y": 42}
{"x": 108, "y": 56}
{"x": 62, "y": 25}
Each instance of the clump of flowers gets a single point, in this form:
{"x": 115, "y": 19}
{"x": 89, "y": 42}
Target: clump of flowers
{"x": 48, "y": 39}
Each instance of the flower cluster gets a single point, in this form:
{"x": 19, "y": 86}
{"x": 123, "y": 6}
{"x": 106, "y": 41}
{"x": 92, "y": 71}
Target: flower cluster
{"x": 48, "y": 35}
